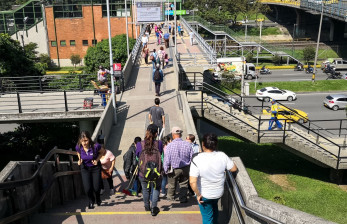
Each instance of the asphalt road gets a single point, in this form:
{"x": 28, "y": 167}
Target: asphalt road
{"x": 291, "y": 75}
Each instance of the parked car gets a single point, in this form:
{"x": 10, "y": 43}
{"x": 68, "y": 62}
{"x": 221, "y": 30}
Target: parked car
{"x": 335, "y": 102}
{"x": 290, "y": 115}
{"x": 275, "y": 93}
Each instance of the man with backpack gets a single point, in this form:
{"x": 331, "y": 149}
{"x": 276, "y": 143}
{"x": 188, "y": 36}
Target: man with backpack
{"x": 158, "y": 78}
{"x": 156, "y": 115}
{"x": 130, "y": 163}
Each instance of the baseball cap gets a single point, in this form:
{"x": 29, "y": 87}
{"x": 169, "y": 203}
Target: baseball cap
{"x": 273, "y": 100}
{"x": 176, "y": 130}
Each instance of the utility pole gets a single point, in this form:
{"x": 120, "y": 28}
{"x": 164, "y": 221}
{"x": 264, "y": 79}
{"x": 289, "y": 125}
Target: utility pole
{"x": 126, "y": 24}
{"x": 318, "y": 39}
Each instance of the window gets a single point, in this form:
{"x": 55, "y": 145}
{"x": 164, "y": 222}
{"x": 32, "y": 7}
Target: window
{"x": 72, "y": 43}
{"x": 53, "y": 43}
{"x": 63, "y": 43}
{"x": 94, "y": 42}
{"x": 66, "y": 10}
{"x": 85, "y": 42}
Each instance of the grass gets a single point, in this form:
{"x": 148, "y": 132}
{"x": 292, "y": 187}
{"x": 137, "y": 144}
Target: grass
{"x": 300, "y": 86}
{"x": 78, "y": 68}
{"x": 308, "y": 189}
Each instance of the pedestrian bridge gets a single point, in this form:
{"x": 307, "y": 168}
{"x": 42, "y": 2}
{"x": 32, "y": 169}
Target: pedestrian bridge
{"x": 50, "y": 189}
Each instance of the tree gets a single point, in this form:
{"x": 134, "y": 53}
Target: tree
{"x": 276, "y": 59}
{"x": 308, "y": 53}
{"x": 14, "y": 61}
{"x": 99, "y": 54}
{"x": 45, "y": 59}
{"x": 75, "y": 59}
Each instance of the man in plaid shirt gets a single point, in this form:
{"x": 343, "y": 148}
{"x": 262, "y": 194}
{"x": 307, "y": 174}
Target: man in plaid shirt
{"x": 177, "y": 160}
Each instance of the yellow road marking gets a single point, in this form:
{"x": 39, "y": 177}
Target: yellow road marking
{"x": 124, "y": 213}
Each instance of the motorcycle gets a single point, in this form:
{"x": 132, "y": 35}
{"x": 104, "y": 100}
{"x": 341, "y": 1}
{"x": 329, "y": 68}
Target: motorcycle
{"x": 309, "y": 70}
{"x": 265, "y": 71}
{"x": 299, "y": 68}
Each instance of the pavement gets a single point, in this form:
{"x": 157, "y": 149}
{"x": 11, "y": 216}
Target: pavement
{"x": 134, "y": 105}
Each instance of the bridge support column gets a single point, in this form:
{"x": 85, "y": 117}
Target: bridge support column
{"x": 336, "y": 176}
{"x": 297, "y": 22}
{"x": 86, "y": 125}
{"x": 332, "y": 30}
{"x": 276, "y": 13}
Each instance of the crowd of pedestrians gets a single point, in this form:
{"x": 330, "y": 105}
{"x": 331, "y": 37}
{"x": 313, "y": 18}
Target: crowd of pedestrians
{"x": 157, "y": 165}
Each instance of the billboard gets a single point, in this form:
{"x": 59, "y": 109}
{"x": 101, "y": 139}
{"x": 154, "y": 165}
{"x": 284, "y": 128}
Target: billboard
{"x": 149, "y": 11}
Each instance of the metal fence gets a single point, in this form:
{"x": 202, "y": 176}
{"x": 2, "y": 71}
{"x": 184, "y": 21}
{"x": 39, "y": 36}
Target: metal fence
{"x": 137, "y": 45}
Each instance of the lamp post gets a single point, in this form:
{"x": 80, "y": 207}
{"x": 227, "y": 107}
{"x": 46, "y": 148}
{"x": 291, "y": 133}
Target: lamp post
{"x": 111, "y": 61}
{"x": 318, "y": 39}
{"x": 126, "y": 24}
{"x": 175, "y": 28}
{"x": 293, "y": 40}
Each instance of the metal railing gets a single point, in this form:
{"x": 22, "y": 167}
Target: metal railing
{"x": 137, "y": 46}
{"x": 331, "y": 8}
{"x": 202, "y": 43}
{"x": 240, "y": 204}
{"x": 10, "y": 186}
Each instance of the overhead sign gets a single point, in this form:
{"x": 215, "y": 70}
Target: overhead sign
{"x": 149, "y": 11}
{"x": 178, "y": 12}
{"x": 117, "y": 67}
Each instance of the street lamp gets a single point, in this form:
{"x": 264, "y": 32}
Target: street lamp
{"x": 318, "y": 39}
{"x": 111, "y": 61}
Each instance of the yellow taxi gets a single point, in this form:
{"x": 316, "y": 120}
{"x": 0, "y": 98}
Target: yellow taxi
{"x": 292, "y": 115}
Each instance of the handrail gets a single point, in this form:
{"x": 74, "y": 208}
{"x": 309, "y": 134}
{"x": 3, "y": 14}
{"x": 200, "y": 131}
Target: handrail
{"x": 240, "y": 202}
{"x": 21, "y": 183}
{"x": 137, "y": 45}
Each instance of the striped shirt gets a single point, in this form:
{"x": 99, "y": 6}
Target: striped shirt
{"x": 178, "y": 154}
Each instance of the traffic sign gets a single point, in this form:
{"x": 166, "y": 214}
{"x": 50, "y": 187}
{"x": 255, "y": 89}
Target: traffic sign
{"x": 117, "y": 67}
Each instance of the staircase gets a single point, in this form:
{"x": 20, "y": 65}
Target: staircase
{"x": 315, "y": 148}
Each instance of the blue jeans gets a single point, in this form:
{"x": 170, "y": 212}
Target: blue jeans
{"x": 209, "y": 211}
{"x": 146, "y": 192}
{"x": 272, "y": 120}
{"x": 153, "y": 63}
{"x": 163, "y": 184}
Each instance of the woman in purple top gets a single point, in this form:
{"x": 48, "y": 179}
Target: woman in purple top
{"x": 88, "y": 159}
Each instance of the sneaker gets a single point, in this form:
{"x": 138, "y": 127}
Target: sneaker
{"x": 155, "y": 211}
{"x": 147, "y": 208}
{"x": 162, "y": 195}
{"x": 102, "y": 191}
{"x": 112, "y": 192}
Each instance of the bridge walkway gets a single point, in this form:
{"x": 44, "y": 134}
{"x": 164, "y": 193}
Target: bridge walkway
{"x": 133, "y": 108}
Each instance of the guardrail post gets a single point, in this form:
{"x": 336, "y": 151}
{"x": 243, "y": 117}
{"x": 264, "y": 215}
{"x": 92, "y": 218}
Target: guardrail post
{"x": 340, "y": 128}
{"x": 338, "y": 159}
{"x": 19, "y": 103}
{"x": 80, "y": 82}
{"x": 259, "y": 123}
{"x": 194, "y": 81}
{"x": 202, "y": 104}
{"x": 284, "y": 131}
{"x": 73, "y": 179}
{"x": 65, "y": 101}
{"x": 40, "y": 83}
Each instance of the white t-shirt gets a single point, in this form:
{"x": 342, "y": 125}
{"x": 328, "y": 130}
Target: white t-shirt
{"x": 209, "y": 167}
{"x": 191, "y": 34}
{"x": 144, "y": 39}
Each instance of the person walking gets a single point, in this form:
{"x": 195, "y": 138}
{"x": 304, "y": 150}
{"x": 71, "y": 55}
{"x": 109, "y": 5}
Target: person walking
{"x": 191, "y": 37}
{"x": 144, "y": 40}
{"x": 107, "y": 161}
{"x": 274, "y": 113}
{"x": 173, "y": 35}
{"x": 158, "y": 78}
{"x": 161, "y": 57}
{"x": 89, "y": 161}
{"x": 178, "y": 157}
{"x": 191, "y": 139}
{"x": 179, "y": 30}
{"x": 102, "y": 75}
{"x": 150, "y": 168}
{"x": 156, "y": 115}
{"x": 153, "y": 58}
{"x": 209, "y": 168}
{"x": 169, "y": 27}
{"x": 145, "y": 52}
{"x": 167, "y": 39}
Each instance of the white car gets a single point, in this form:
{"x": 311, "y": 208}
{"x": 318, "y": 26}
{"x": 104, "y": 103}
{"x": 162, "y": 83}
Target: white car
{"x": 275, "y": 93}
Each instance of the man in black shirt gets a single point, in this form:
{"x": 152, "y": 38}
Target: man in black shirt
{"x": 156, "y": 115}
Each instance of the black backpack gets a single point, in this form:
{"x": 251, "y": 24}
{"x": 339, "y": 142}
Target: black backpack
{"x": 157, "y": 75}
{"x": 150, "y": 165}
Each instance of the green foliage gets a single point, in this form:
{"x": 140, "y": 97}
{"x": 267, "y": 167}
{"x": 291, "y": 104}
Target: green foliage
{"x": 72, "y": 81}
{"x": 41, "y": 67}
{"x": 301, "y": 185}
{"x": 308, "y": 53}
{"x": 45, "y": 59}
{"x": 276, "y": 59}
{"x": 75, "y": 59}
{"x": 99, "y": 54}
{"x": 30, "y": 50}
{"x": 29, "y": 140}
{"x": 14, "y": 61}
{"x": 249, "y": 58}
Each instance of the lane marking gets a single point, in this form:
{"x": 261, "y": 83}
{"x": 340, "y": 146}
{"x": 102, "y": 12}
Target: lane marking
{"x": 123, "y": 213}
{"x": 300, "y": 79}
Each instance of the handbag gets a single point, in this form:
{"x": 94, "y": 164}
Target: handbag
{"x": 143, "y": 54}
{"x": 105, "y": 174}
{"x": 151, "y": 57}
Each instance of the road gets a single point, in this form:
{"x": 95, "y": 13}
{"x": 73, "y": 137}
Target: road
{"x": 291, "y": 75}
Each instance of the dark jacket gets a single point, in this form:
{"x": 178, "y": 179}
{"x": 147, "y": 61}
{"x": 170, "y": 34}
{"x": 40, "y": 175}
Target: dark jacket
{"x": 130, "y": 162}
{"x": 161, "y": 76}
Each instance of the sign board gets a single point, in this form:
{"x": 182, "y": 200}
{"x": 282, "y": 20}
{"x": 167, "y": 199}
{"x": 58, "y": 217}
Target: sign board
{"x": 117, "y": 74}
{"x": 117, "y": 67}
{"x": 149, "y": 11}
{"x": 178, "y": 12}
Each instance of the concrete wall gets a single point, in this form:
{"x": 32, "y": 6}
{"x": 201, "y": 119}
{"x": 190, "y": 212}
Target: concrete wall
{"x": 105, "y": 123}
{"x": 252, "y": 200}
{"x": 38, "y": 36}
{"x": 63, "y": 189}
